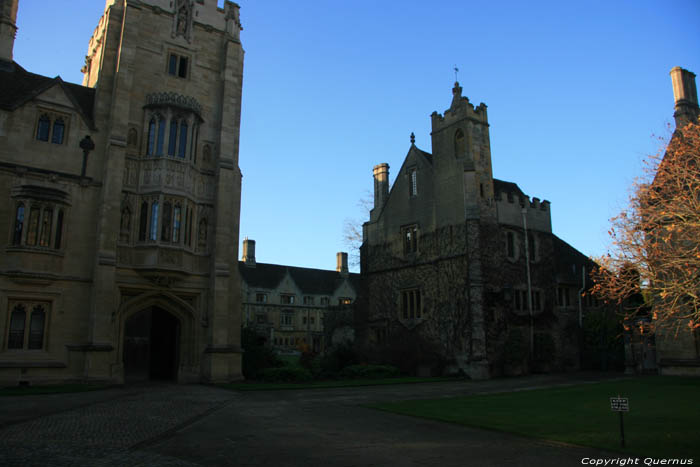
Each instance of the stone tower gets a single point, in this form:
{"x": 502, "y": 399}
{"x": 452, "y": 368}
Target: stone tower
{"x": 126, "y": 266}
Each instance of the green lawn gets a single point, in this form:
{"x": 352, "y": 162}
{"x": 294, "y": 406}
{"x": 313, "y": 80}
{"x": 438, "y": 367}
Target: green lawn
{"x": 57, "y": 389}
{"x": 663, "y": 421}
{"x": 334, "y": 383}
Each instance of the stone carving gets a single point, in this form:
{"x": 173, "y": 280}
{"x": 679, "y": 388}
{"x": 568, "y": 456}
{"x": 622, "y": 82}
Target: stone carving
{"x": 182, "y": 21}
{"x": 174, "y": 99}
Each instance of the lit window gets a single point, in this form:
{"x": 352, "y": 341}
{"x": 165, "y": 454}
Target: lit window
{"x": 344, "y": 301}
{"x": 410, "y": 238}
{"x": 43, "y": 229}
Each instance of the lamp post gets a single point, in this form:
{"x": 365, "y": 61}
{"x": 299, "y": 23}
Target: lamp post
{"x": 87, "y": 145}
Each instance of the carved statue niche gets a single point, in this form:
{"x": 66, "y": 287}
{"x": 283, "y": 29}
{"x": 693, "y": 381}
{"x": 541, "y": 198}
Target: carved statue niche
{"x": 182, "y": 20}
{"x": 125, "y": 220}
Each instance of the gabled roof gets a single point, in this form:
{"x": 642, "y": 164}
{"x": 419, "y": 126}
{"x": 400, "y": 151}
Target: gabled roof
{"x": 428, "y": 157}
{"x": 565, "y": 256}
{"x": 310, "y": 281}
{"x": 18, "y": 86}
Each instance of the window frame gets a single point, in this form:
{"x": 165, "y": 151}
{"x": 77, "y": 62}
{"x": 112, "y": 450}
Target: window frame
{"x": 409, "y": 239}
{"x": 31, "y": 308}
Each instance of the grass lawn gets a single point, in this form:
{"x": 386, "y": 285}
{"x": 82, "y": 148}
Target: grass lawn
{"x": 663, "y": 421}
{"x": 334, "y": 383}
{"x": 57, "y": 389}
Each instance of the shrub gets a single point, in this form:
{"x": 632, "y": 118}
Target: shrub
{"x": 369, "y": 372}
{"x": 256, "y": 355}
{"x": 285, "y": 374}
{"x": 337, "y": 359}
{"x": 306, "y": 359}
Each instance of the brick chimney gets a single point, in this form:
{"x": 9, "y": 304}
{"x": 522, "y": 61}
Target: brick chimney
{"x": 8, "y": 28}
{"x": 249, "y": 252}
{"x": 685, "y": 95}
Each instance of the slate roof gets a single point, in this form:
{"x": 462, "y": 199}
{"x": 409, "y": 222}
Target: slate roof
{"x": 310, "y": 281}
{"x": 18, "y": 86}
{"x": 565, "y": 256}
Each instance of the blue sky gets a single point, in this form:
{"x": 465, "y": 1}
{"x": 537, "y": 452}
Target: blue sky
{"x": 576, "y": 92}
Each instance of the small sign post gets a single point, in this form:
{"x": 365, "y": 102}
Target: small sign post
{"x": 620, "y": 404}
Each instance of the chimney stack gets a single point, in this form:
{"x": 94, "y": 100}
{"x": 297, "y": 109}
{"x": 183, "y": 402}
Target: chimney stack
{"x": 685, "y": 95}
{"x": 8, "y": 28}
{"x": 381, "y": 185}
{"x": 342, "y": 267}
{"x": 249, "y": 252}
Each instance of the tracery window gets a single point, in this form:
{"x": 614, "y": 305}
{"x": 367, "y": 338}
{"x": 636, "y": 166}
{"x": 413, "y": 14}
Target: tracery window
{"x": 43, "y": 227}
{"x": 167, "y": 216}
{"x": 176, "y": 115}
{"x": 411, "y": 304}
{"x": 177, "y": 216}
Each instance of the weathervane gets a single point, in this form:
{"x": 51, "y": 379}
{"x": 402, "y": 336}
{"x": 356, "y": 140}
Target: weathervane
{"x": 456, "y": 71}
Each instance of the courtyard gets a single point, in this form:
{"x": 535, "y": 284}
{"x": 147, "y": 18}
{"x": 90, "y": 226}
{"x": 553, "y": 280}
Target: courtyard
{"x": 187, "y": 425}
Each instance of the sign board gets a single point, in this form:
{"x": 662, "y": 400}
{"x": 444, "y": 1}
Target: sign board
{"x": 619, "y": 404}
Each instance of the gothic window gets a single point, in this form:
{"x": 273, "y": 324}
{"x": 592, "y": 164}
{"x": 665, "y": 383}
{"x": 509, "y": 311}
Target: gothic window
{"x": 187, "y": 226}
{"x": 193, "y": 146}
{"x": 202, "y": 234}
{"x": 143, "y": 221}
{"x": 182, "y": 145}
{"x": 27, "y": 325}
{"x": 411, "y": 304}
{"x": 33, "y": 232}
{"x": 59, "y": 129}
{"x": 150, "y": 149}
{"x": 172, "y": 140}
{"x": 459, "y": 143}
{"x": 154, "y": 222}
{"x": 42, "y": 130}
{"x": 177, "y": 219}
{"x": 59, "y": 229}
{"x": 161, "y": 136}
{"x": 409, "y": 235}
{"x": 167, "y": 218}
{"x": 19, "y": 225}
{"x": 412, "y": 182}
{"x": 46, "y": 223}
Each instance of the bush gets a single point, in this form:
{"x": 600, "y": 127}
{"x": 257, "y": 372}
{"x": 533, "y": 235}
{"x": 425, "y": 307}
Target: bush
{"x": 256, "y": 355}
{"x": 337, "y": 359}
{"x": 306, "y": 359}
{"x": 285, "y": 374}
{"x": 369, "y": 372}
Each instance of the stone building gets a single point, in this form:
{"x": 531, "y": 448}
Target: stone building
{"x": 449, "y": 254}
{"x": 120, "y": 200}
{"x": 677, "y": 347}
{"x": 293, "y": 308}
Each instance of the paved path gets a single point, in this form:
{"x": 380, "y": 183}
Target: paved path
{"x": 170, "y": 425}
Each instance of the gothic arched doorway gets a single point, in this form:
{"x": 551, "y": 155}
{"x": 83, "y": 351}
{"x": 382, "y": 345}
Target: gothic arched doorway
{"x": 151, "y": 345}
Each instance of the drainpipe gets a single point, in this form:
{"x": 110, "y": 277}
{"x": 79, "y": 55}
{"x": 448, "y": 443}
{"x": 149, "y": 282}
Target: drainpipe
{"x": 580, "y": 298}
{"x": 529, "y": 284}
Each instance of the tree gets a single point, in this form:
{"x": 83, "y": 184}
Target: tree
{"x": 656, "y": 240}
{"x": 352, "y": 229}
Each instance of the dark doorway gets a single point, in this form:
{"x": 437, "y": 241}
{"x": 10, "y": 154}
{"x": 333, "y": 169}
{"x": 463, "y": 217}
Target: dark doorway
{"x": 151, "y": 346}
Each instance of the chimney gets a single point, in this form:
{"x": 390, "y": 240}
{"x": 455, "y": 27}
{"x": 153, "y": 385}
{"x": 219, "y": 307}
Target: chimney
{"x": 381, "y": 185}
{"x": 342, "y": 259}
{"x": 685, "y": 95}
{"x": 249, "y": 252}
{"x": 8, "y": 28}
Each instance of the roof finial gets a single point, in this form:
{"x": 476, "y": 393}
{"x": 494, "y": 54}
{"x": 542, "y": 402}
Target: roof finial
{"x": 456, "y": 71}
{"x": 413, "y": 138}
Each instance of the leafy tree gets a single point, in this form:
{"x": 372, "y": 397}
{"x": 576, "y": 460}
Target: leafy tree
{"x": 656, "y": 240}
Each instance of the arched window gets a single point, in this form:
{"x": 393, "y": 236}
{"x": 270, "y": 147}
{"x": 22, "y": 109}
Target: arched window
{"x": 17, "y": 322}
{"x": 154, "y": 221}
{"x": 46, "y": 223}
{"x": 150, "y": 150}
{"x": 59, "y": 229}
{"x": 177, "y": 219}
{"x": 195, "y": 140}
{"x": 36, "y": 328}
{"x": 202, "y": 233}
{"x": 19, "y": 225}
{"x": 42, "y": 130}
{"x": 165, "y": 229}
{"x": 143, "y": 221}
{"x": 58, "y": 129}
{"x": 33, "y": 233}
{"x": 161, "y": 136}
{"x": 459, "y": 143}
{"x": 182, "y": 145}
{"x": 172, "y": 137}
